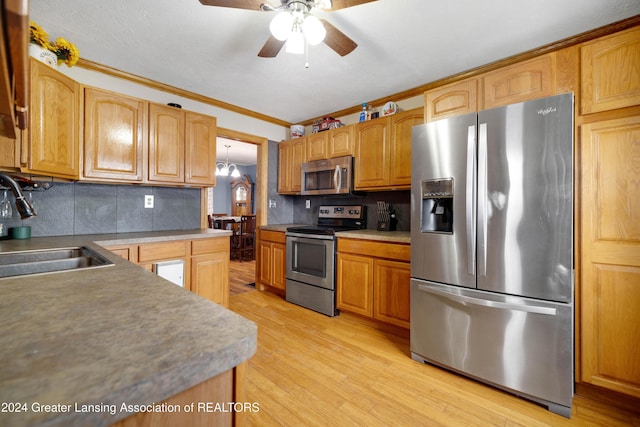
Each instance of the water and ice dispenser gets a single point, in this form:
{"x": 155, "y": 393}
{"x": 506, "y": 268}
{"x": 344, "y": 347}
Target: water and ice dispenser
{"x": 437, "y": 206}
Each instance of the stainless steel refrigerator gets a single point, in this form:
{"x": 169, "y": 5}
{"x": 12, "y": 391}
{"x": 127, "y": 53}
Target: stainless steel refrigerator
{"x": 492, "y": 248}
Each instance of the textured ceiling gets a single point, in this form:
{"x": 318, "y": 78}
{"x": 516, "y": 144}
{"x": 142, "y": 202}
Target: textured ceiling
{"x": 402, "y": 44}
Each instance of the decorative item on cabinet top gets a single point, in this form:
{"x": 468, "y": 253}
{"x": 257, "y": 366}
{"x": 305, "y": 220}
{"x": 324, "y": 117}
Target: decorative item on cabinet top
{"x": 51, "y": 53}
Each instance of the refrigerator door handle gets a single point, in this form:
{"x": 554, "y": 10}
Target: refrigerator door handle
{"x": 488, "y": 303}
{"x": 470, "y": 202}
{"x": 482, "y": 200}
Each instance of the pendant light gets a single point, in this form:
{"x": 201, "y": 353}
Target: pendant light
{"x": 223, "y": 169}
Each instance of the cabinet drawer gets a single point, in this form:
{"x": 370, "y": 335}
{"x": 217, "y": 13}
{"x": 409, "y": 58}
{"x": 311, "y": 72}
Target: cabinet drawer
{"x": 396, "y": 251}
{"x": 164, "y": 250}
{"x": 272, "y": 236}
{"x": 207, "y": 246}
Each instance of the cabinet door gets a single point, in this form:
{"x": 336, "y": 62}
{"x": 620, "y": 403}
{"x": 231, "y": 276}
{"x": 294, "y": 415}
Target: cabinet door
{"x": 265, "y": 263}
{"x": 54, "y": 138}
{"x": 115, "y": 134}
{"x": 401, "y": 124}
{"x": 355, "y": 284}
{"x": 341, "y": 141}
{"x": 200, "y": 167}
{"x": 279, "y": 266}
{"x": 451, "y": 100}
{"x": 291, "y": 155}
{"x": 520, "y": 82}
{"x": 284, "y": 166}
{"x": 166, "y": 144}
{"x": 317, "y": 146}
{"x": 610, "y": 255}
{"x": 391, "y": 292}
{"x": 372, "y": 153}
{"x": 610, "y": 76}
{"x": 210, "y": 277}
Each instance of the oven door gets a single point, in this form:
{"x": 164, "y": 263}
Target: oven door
{"x": 311, "y": 259}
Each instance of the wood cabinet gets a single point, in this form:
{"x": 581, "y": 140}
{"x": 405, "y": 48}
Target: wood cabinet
{"x": 383, "y": 151}
{"x": 182, "y": 146}
{"x": 332, "y": 143}
{"x": 535, "y": 78}
{"x": 200, "y": 166}
{"x": 271, "y": 262}
{"x": 115, "y": 136}
{"x": 610, "y": 76}
{"x": 317, "y": 146}
{"x": 53, "y": 144}
{"x": 210, "y": 269}
{"x": 166, "y": 144}
{"x": 451, "y": 100}
{"x": 400, "y": 147}
{"x": 520, "y": 82}
{"x": 206, "y": 263}
{"x": 609, "y": 294}
{"x": 372, "y": 154}
{"x": 341, "y": 141}
{"x": 373, "y": 280}
{"x": 291, "y": 155}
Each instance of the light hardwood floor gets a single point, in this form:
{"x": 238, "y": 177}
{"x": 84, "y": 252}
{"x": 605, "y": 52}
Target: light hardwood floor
{"x": 313, "y": 370}
{"x": 241, "y": 273}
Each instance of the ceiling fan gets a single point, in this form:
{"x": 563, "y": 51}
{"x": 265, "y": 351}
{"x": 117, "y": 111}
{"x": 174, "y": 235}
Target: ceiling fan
{"x": 294, "y": 24}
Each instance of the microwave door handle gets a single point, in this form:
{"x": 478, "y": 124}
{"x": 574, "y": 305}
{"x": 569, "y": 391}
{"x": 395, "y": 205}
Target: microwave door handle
{"x": 337, "y": 178}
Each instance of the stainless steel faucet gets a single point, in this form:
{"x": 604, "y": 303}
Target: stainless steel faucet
{"x": 24, "y": 207}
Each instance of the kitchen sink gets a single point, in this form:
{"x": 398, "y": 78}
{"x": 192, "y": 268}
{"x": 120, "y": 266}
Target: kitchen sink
{"x": 21, "y": 263}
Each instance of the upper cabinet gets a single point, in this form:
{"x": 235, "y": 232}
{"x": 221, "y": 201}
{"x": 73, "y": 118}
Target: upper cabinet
{"x": 535, "y": 78}
{"x": 182, "y": 146}
{"x": 53, "y": 145}
{"x": 166, "y": 144}
{"x": 520, "y": 82}
{"x": 332, "y": 143}
{"x": 451, "y": 100}
{"x": 291, "y": 155}
{"x": 115, "y": 134}
{"x": 200, "y": 145}
{"x": 383, "y": 151}
{"x": 317, "y": 146}
{"x": 611, "y": 72}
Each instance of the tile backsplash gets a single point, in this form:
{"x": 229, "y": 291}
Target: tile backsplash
{"x": 84, "y": 208}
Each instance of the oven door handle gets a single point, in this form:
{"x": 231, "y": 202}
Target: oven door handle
{"x": 299, "y": 236}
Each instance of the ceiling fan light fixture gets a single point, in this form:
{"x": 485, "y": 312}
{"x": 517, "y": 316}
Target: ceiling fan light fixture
{"x": 295, "y": 43}
{"x": 313, "y": 30}
{"x": 281, "y": 25}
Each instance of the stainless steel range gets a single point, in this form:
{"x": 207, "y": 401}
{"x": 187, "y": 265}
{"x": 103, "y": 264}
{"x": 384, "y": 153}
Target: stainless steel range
{"x": 311, "y": 257}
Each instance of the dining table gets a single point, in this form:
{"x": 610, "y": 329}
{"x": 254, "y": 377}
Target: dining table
{"x": 225, "y": 222}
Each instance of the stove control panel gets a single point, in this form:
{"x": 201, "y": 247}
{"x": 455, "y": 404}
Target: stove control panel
{"x": 346, "y": 212}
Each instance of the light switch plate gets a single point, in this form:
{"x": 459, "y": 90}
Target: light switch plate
{"x": 308, "y": 204}
{"x": 148, "y": 201}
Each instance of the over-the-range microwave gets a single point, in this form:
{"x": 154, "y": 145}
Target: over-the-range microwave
{"x": 330, "y": 176}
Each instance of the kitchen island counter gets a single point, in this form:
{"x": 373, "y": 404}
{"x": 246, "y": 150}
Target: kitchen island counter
{"x": 94, "y": 343}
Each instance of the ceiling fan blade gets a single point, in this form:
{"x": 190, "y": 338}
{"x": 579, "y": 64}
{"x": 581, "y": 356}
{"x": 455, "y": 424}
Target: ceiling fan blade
{"x": 337, "y": 40}
{"x": 236, "y": 4}
{"x": 271, "y": 48}
{"x": 343, "y": 4}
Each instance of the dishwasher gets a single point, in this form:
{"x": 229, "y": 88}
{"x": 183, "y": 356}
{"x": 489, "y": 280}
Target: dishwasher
{"x": 173, "y": 271}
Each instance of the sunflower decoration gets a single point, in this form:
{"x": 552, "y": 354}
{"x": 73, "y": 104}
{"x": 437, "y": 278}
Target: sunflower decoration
{"x": 65, "y": 51}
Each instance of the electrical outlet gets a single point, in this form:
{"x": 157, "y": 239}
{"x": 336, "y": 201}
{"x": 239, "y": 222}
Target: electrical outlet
{"x": 148, "y": 201}
{"x": 308, "y": 204}
{"x": 272, "y": 203}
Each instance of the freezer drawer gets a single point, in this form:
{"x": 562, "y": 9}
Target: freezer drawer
{"x": 520, "y": 344}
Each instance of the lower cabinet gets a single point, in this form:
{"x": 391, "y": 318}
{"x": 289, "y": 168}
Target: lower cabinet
{"x": 373, "y": 279}
{"x": 271, "y": 261}
{"x": 206, "y": 263}
{"x": 210, "y": 269}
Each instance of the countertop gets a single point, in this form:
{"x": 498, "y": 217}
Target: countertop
{"x": 109, "y": 335}
{"x": 366, "y": 234}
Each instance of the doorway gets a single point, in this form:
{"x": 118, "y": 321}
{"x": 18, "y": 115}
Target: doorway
{"x": 241, "y": 272}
